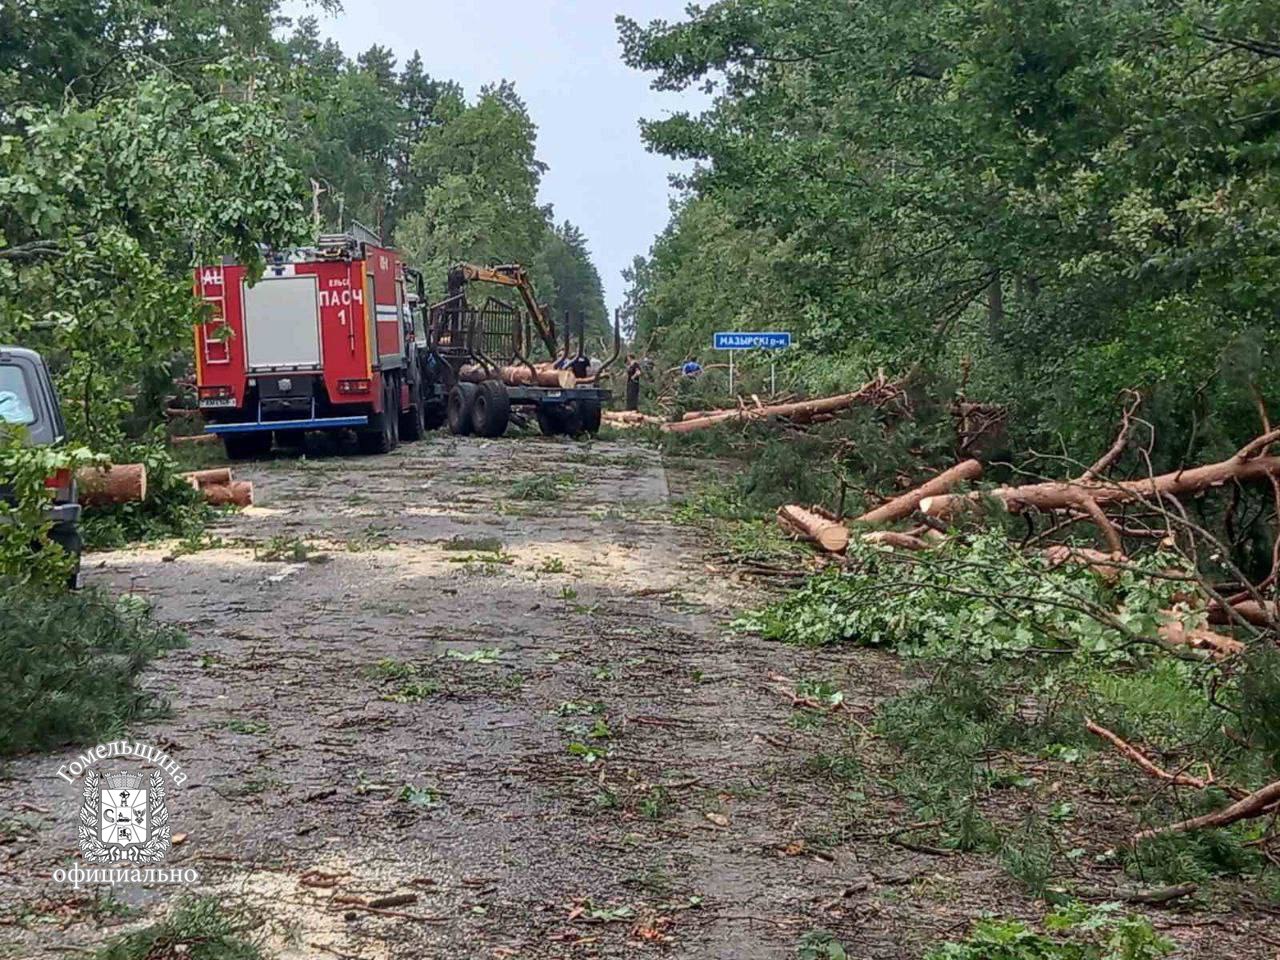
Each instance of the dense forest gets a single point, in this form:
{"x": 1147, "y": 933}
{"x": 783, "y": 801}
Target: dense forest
{"x": 140, "y": 137}
{"x": 1051, "y": 201}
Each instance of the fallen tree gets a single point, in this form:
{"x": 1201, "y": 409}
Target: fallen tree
{"x": 874, "y": 392}
{"x": 1249, "y": 464}
{"x": 239, "y": 493}
{"x": 903, "y": 506}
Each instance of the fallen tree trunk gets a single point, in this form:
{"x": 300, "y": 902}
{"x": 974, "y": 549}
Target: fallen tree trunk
{"x": 218, "y": 475}
{"x": 1073, "y": 494}
{"x": 829, "y": 534}
{"x": 1217, "y": 645}
{"x": 1253, "y": 805}
{"x": 892, "y": 538}
{"x": 1259, "y": 614}
{"x": 197, "y": 438}
{"x": 237, "y": 494}
{"x": 117, "y": 483}
{"x": 801, "y": 411}
{"x": 901, "y": 507}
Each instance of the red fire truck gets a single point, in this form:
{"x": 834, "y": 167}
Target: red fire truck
{"x": 323, "y": 341}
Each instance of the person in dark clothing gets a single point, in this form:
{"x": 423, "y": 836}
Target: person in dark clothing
{"x": 634, "y": 371}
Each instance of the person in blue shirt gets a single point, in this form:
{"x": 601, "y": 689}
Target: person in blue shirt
{"x": 691, "y": 367}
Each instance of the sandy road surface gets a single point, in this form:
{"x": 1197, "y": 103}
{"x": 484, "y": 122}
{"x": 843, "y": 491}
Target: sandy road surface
{"x": 523, "y": 715}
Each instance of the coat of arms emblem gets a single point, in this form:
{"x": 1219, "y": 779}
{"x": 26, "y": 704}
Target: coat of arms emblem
{"x": 123, "y": 817}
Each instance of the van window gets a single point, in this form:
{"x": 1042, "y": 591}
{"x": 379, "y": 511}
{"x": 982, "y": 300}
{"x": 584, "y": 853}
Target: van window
{"x": 16, "y": 404}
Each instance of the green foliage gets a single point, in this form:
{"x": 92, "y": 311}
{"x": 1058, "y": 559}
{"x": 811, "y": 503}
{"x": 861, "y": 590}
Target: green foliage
{"x": 27, "y": 555}
{"x": 820, "y": 945}
{"x": 1076, "y": 933}
{"x": 1026, "y": 190}
{"x": 199, "y": 929}
{"x": 976, "y": 597}
{"x": 71, "y": 663}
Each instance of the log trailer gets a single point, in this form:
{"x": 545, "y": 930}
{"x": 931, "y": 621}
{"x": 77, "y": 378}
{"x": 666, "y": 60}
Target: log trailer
{"x": 476, "y": 365}
{"x": 325, "y": 340}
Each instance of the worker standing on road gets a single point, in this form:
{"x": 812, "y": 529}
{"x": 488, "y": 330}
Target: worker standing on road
{"x": 634, "y": 370}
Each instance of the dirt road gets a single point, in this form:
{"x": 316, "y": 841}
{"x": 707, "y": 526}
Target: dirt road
{"x": 410, "y": 675}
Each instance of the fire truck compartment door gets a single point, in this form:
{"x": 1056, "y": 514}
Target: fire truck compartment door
{"x": 282, "y": 323}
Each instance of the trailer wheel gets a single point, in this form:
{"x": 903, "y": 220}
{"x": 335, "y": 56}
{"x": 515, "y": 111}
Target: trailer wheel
{"x": 462, "y": 399}
{"x": 491, "y": 411}
{"x": 548, "y": 421}
{"x": 246, "y": 446}
{"x": 589, "y": 412}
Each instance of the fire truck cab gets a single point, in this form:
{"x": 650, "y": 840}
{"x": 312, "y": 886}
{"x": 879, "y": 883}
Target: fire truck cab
{"x": 324, "y": 340}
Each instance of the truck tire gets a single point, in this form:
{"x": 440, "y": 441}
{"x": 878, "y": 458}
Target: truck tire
{"x": 413, "y": 422}
{"x": 548, "y": 421}
{"x": 435, "y": 414}
{"x": 589, "y": 412}
{"x": 461, "y": 400}
{"x": 380, "y": 436}
{"x": 246, "y": 446}
{"x": 491, "y": 409}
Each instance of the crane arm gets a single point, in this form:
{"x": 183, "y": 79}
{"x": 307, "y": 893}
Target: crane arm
{"x": 507, "y": 275}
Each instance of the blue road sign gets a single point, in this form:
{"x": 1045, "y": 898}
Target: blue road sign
{"x": 752, "y": 341}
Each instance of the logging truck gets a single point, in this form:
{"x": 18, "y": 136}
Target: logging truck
{"x": 324, "y": 340}
{"x": 477, "y": 364}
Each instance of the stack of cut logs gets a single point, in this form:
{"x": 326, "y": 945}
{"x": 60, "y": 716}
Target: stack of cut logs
{"x": 220, "y": 489}
{"x": 127, "y": 483}
{"x": 518, "y": 375}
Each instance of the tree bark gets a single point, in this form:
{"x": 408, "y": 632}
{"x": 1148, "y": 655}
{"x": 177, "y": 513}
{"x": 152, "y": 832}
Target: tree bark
{"x": 901, "y": 507}
{"x": 1066, "y": 494}
{"x": 802, "y": 411}
{"x": 118, "y": 483}
{"x": 237, "y": 494}
{"x": 218, "y": 475}
{"x": 1252, "y": 805}
{"x": 828, "y": 534}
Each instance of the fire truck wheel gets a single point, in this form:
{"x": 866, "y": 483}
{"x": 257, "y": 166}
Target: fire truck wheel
{"x": 461, "y": 400}
{"x": 413, "y": 422}
{"x": 380, "y": 436}
{"x": 491, "y": 410}
{"x": 589, "y": 415}
{"x": 246, "y": 446}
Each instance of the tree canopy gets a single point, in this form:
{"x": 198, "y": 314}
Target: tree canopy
{"x": 1062, "y": 199}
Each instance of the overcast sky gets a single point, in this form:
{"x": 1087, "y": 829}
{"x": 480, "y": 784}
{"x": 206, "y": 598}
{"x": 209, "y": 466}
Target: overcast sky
{"x": 563, "y": 56}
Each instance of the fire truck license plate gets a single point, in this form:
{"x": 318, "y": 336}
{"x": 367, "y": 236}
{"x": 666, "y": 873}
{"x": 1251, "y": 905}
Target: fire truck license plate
{"x": 228, "y": 402}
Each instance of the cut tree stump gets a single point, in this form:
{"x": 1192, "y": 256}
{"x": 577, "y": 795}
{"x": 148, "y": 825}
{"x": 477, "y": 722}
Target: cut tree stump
{"x": 114, "y": 484}
{"x": 830, "y": 535}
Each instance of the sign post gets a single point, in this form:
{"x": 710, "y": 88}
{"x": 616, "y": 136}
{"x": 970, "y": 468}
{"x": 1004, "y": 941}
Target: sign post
{"x": 745, "y": 340}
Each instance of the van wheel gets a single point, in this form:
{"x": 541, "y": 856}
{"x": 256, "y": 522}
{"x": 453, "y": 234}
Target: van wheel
{"x": 460, "y": 415}
{"x": 491, "y": 409}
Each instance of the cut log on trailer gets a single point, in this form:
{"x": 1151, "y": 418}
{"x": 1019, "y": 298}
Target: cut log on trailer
{"x": 218, "y": 475}
{"x": 117, "y": 483}
{"x": 829, "y": 534}
{"x": 802, "y": 411}
{"x": 901, "y": 507}
{"x": 542, "y": 375}
{"x": 237, "y": 494}
{"x": 1246, "y": 465}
